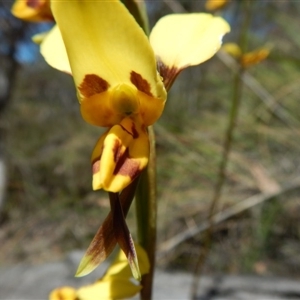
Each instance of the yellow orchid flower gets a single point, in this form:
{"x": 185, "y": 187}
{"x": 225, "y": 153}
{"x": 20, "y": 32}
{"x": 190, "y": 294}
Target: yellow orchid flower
{"x": 32, "y": 10}
{"x": 215, "y": 4}
{"x": 116, "y": 283}
{"x": 247, "y": 59}
{"x": 115, "y": 73}
{"x": 117, "y": 83}
{"x": 121, "y": 78}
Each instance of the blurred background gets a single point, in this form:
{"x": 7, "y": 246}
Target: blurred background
{"x": 48, "y": 208}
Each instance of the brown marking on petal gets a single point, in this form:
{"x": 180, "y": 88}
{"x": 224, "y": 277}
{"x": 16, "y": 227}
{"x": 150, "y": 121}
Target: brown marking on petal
{"x": 42, "y": 8}
{"x": 104, "y": 241}
{"x": 35, "y": 3}
{"x": 125, "y": 129}
{"x": 127, "y": 166}
{"x": 96, "y": 165}
{"x": 130, "y": 168}
{"x": 93, "y": 84}
{"x": 117, "y": 150}
{"x": 144, "y": 128}
{"x": 140, "y": 83}
{"x": 122, "y": 233}
{"x": 135, "y": 133}
{"x": 168, "y": 74}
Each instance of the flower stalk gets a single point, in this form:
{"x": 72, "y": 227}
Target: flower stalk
{"x": 146, "y": 208}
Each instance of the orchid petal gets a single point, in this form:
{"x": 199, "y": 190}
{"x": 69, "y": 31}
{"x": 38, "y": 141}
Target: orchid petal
{"x": 182, "y": 40}
{"x": 110, "y": 107}
{"x": 104, "y": 241}
{"x": 54, "y": 51}
{"x": 112, "y": 55}
{"x": 120, "y": 267}
{"x": 63, "y": 293}
{"x": 123, "y": 236}
{"x": 32, "y": 10}
{"x": 115, "y": 284}
{"x": 118, "y": 288}
{"x": 120, "y": 155}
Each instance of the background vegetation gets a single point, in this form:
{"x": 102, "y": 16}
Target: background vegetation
{"x": 50, "y": 208}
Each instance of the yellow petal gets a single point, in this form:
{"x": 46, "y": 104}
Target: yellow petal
{"x": 117, "y": 288}
{"x": 150, "y": 108}
{"x": 120, "y": 155}
{"x": 215, "y": 4}
{"x": 109, "y": 107}
{"x": 54, "y": 51}
{"x": 183, "y": 40}
{"x": 104, "y": 41}
{"x": 34, "y": 11}
{"x": 233, "y": 49}
{"x": 116, "y": 283}
{"x": 39, "y": 37}
{"x": 254, "y": 57}
{"x": 63, "y": 293}
{"x": 120, "y": 267}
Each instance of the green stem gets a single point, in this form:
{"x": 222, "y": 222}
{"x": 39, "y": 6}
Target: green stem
{"x": 138, "y": 10}
{"x": 235, "y": 104}
{"x": 146, "y": 216}
{"x": 146, "y": 190}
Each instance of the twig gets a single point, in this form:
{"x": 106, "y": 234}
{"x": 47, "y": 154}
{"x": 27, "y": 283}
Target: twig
{"x": 224, "y": 215}
{"x": 174, "y": 141}
{"x": 263, "y": 94}
{"x": 229, "y": 136}
{"x": 175, "y": 6}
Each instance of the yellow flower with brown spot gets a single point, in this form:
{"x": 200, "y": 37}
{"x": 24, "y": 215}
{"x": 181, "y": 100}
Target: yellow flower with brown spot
{"x": 122, "y": 78}
{"x": 32, "y": 10}
{"x": 117, "y": 83}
